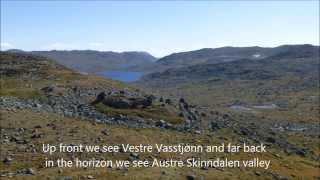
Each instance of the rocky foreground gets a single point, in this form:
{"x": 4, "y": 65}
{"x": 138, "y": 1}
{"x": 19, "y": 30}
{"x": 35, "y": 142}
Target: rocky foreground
{"x": 75, "y": 104}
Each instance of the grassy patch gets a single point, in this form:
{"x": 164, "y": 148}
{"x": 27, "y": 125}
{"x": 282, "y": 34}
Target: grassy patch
{"x": 154, "y": 112}
{"x": 26, "y": 93}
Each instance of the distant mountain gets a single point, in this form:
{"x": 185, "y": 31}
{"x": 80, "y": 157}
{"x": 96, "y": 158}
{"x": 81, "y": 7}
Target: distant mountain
{"x": 15, "y": 51}
{"x": 226, "y": 54}
{"x": 288, "y": 60}
{"x": 90, "y": 61}
{"x": 96, "y": 61}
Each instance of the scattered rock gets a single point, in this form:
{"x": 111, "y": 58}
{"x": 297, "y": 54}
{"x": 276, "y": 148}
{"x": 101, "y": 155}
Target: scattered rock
{"x": 257, "y": 173}
{"x": 36, "y": 136}
{"x": 90, "y": 177}
{"x": 60, "y": 171}
{"x": 134, "y": 155}
{"x": 37, "y": 127}
{"x": 7, "y": 160}
{"x": 105, "y": 132}
{"x": 30, "y": 171}
{"x": 161, "y": 123}
{"x": 191, "y": 177}
{"x": 168, "y": 101}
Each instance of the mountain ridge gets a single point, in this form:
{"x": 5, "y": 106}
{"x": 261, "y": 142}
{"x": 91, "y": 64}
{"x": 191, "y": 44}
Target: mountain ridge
{"x": 224, "y": 54}
{"x": 286, "y": 57}
{"x": 91, "y": 61}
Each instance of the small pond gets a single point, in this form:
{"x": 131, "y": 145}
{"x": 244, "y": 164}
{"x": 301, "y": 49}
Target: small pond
{"x": 125, "y": 76}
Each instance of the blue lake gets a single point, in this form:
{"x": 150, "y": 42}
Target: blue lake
{"x": 125, "y": 76}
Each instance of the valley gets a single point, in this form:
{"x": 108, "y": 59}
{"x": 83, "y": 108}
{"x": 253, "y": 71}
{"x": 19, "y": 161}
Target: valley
{"x": 220, "y": 95}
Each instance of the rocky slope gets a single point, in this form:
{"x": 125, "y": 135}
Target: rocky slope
{"x": 44, "y": 85}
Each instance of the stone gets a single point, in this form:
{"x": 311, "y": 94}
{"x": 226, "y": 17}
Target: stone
{"x": 105, "y": 132}
{"x": 191, "y": 177}
{"x": 134, "y": 155}
{"x": 169, "y": 126}
{"x": 301, "y": 152}
{"x": 36, "y": 105}
{"x": 90, "y": 177}
{"x": 100, "y": 97}
{"x": 36, "y": 136}
{"x": 168, "y": 101}
{"x": 47, "y": 89}
{"x": 181, "y": 100}
{"x": 37, "y": 127}
{"x": 160, "y": 123}
{"x": 7, "y": 160}
{"x": 30, "y": 171}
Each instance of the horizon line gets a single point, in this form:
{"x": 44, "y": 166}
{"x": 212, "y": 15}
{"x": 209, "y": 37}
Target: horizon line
{"x": 142, "y": 51}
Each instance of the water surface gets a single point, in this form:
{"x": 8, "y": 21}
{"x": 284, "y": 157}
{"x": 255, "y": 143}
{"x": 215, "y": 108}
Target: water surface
{"x": 125, "y": 76}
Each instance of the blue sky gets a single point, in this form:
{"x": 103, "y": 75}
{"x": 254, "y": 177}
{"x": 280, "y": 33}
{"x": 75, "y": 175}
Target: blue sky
{"x": 159, "y": 27}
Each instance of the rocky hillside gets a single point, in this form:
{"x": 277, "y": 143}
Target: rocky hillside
{"x": 38, "y": 83}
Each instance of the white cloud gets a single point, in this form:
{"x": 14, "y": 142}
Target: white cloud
{"x": 6, "y": 45}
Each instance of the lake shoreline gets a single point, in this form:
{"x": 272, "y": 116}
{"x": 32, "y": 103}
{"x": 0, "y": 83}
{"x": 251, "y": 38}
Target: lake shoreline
{"x": 124, "y": 76}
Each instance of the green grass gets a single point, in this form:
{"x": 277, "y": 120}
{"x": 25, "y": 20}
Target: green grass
{"x": 26, "y": 93}
{"x": 155, "y": 112}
